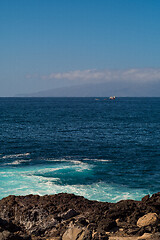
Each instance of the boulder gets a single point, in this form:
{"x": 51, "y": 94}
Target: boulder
{"x": 86, "y": 235}
{"x": 145, "y": 236}
{"x": 145, "y": 198}
{"x": 72, "y": 233}
{"x": 69, "y": 214}
{"x": 5, "y": 235}
{"x": 106, "y": 225}
{"x": 149, "y": 236}
{"x": 150, "y": 219}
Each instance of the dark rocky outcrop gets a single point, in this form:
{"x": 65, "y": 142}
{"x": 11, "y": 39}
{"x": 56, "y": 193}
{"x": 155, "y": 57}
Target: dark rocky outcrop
{"x": 66, "y": 216}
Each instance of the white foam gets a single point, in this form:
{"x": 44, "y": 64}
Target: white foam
{"x": 97, "y": 160}
{"x": 48, "y": 180}
{"x": 64, "y": 160}
{"x": 16, "y": 155}
{"x": 77, "y": 162}
{"x": 83, "y": 164}
{"x": 26, "y": 182}
{"x": 32, "y": 180}
{"x": 17, "y": 162}
{"x": 79, "y": 166}
{"x": 56, "y": 160}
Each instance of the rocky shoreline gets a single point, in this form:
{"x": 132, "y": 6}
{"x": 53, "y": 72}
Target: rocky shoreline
{"x": 69, "y": 217}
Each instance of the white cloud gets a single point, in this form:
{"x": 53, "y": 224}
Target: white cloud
{"x": 93, "y": 75}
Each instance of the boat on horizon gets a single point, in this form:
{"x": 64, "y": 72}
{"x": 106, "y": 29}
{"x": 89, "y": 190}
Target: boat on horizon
{"x": 112, "y": 97}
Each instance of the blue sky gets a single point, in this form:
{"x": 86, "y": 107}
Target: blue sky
{"x": 43, "y": 40}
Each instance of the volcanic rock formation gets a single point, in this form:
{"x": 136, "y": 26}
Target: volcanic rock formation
{"x": 68, "y": 217}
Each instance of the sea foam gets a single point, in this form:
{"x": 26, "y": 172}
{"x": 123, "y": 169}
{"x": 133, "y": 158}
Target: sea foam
{"x": 16, "y": 155}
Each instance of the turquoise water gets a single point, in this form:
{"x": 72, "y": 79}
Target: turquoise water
{"x": 104, "y": 150}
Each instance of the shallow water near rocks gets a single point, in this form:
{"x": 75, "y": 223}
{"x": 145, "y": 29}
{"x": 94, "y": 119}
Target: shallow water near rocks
{"x": 105, "y": 150}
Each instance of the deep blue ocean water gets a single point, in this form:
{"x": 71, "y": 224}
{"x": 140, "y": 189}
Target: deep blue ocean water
{"x": 105, "y": 150}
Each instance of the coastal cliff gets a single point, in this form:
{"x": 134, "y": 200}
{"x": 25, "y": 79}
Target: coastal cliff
{"x": 69, "y": 217}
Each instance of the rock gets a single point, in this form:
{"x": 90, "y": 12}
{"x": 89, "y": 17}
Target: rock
{"x": 92, "y": 226}
{"x": 54, "y": 238}
{"x": 145, "y": 198}
{"x": 82, "y": 222}
{"x": 106, "y": 225}
{"x": 121, "y": 224}
{"x": 72, "y": 233}
{"x": 8, "y": 225}
{"x": 100, "y": 236}
{"x": 21, "y": 236}
{"x": 5, "y": 235}
{"x": 148, "y": 229}
{"x": 69, "y": 214}
{"x": 37, "y": 221}
{"x": 146, "y": 236}
{"x": 68, "y": 217}
{"x": 156, "y": 236}
{"x": 132, "y": 231}
{"x": 150, "y": 219}
{"x": 141, "y": 231}
{"x": 86, "y": 235}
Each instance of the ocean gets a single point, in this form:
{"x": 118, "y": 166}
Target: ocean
{"x": 104, "y": 150}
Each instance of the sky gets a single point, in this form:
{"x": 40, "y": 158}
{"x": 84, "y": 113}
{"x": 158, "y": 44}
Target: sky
{"x": 47, "y": 44}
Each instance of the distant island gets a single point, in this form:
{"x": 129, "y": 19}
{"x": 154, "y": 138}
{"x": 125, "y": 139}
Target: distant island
{"x": 120, "y": 89}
